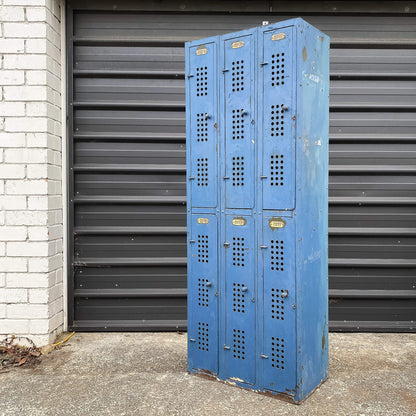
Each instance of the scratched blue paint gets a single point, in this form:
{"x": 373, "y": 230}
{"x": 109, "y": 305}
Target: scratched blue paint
{"x": 257, "y": 166}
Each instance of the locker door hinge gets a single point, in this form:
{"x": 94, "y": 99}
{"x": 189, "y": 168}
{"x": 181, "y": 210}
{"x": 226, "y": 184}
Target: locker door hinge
{"x": 264, "y": 356}
{"x": 263, "y": 247}
{"x": 227, "y": 347}
{"x": 226, "y": 244}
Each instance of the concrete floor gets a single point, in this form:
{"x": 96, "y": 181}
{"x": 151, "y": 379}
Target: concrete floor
{"x": 145, "y": 374}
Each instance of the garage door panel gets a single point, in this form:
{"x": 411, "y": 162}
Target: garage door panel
{"x": 119, "y": 216}
{"x": 127, "y": 154}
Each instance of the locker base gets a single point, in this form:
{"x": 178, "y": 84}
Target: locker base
{"x": 280, "y": 396}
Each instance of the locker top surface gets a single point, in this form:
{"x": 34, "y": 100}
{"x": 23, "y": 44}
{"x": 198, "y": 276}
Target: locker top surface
{"x": 298, "y": 21}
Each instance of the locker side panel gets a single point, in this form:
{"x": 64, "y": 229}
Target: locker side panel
{"x": 278, "y": 114}
{"x": 238, "y": 105}
{"x": 202, "y": 135}
{"x": 239, "y": 296}
{"x": 279, "y": 300}
{"x": 203, "y": 294}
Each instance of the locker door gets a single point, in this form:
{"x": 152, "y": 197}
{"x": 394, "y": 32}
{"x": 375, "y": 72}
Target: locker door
{"x": 279, "y": 316}
{"x": 278, "y": 131}
{"x": 203, "y": 294}
{"x": 203, "y": 133}
{"x": 239, "y": 129}
{"x": 240, "y": 345}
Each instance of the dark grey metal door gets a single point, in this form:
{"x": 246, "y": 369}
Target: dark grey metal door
{"x": 126, "y": 146}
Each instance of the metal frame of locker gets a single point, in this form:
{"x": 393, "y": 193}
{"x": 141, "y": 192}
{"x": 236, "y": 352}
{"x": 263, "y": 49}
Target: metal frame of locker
{"x": 257, "y": 166}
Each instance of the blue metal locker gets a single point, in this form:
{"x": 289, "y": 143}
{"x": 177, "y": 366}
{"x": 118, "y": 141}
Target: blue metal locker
{"x": 257, "y": 165}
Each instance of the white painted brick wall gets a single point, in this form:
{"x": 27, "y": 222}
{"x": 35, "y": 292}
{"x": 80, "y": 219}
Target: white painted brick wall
{"x": 31, "y": 231}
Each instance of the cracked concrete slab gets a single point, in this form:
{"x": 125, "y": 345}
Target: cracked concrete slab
{"x": 145, "y": 374}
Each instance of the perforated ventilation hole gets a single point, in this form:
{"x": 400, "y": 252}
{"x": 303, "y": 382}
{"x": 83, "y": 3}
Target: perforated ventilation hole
{"x": 203, "y": 336}
{"x": 238, "y": 171}
{"x": 276, "y": 170}
{"x": 238, "y": 251}
{"x": 278, "y": 69}
{"x": 277, "y": 255}
{"x": 237, "y": 75}
{"x": 202, "y": 246}
{"x": 201, "y": 128}
{"x": 202, "y": 171}
{"x": 277, "y": 122}
{"x": 201, "y": 81}
{"x": 202, "y": 292}
{"x": 239, "y": 302}
{"x": 278, "y": 353}
{"x": 237, "y": 124}
{"x": 239, "y": 344}
{"x": 277, "y": 304}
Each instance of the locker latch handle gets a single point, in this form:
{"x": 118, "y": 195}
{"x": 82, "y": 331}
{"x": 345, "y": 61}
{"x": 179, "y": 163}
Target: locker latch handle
{"x": 263, "y": 177}
{"x": 263, "y": 63}
{"x": 227, "y": 347}
{"x": 284, "y": 294}
{"x": 264, "y": 356}
{"x": 192, "y": 339}
{"x": 226, "y": 177}
{"x": 244, "y": 112}
{"x": 244, "y": 289}
{"x": 263, "y": 247}
{"x": 208, "y": 284}
{"x": 192, "y": 241}
{"x": 226, "y": 244}
{"x": 207, "y": 116}
{"x": 285, "y": 107}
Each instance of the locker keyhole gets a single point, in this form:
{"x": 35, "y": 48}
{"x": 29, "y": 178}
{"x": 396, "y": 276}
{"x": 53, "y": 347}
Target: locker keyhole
{"x": 239, "y": 344}
{"x": 201, "y": 128}
{"x": 278, "y": 353}
{"x": 202, "y": 171}
{"x": 238, "y": 76}
{"x": 277, "y": 120}
{"x": 202, "y": 246}
{"x": 276, "y": 255}
{"x": 238, "y": 171}
{"x": 278, "y": 69}
{"x": 202, "y": 292}
{"x": 203, "y": 336}
{"x": 276, "y": 170}
{"x": 239, "y": 302}
{"x": 277, "y": 304}
{"x": 238, "y": 251}
{"x": 238, "y": 124}
{"x": 201, "y": 81}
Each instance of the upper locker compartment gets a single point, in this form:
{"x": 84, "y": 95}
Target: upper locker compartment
{"x": 202, "y": 139}
{"x": 238, "y": 101}
{"x": 277, "y": 98}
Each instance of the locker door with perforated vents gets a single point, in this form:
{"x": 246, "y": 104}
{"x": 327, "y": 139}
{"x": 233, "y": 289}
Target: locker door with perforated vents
{"x": 203, "y": 294}
{"x": 203, "y": 133}
{"x": 239, "y": 122}
{"x": 240, "y": 306}
{"x": 279, "y": 313}
{"x": 278, "y": 119}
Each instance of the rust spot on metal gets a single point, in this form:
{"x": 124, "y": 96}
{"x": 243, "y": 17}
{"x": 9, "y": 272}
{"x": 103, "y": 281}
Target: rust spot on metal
{"x": 215, "y": 126}
{"x": 321, "y": 38}
{"x": 323, "y": 340}
{"x": 304, "y": 54}
{"x": 294, "y": 118}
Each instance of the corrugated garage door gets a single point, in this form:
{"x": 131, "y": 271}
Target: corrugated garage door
{"x": 126, "y": 118}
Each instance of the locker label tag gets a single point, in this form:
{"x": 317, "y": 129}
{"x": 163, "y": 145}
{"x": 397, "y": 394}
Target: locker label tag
{"x": 203, "y": 220}
{"x": 277, "y": 223}
{"x": 279, "y": 36}
{"x": 201, "y": 50}
{"x": 238, "y": 44}
{"x": 239, "y": 221}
